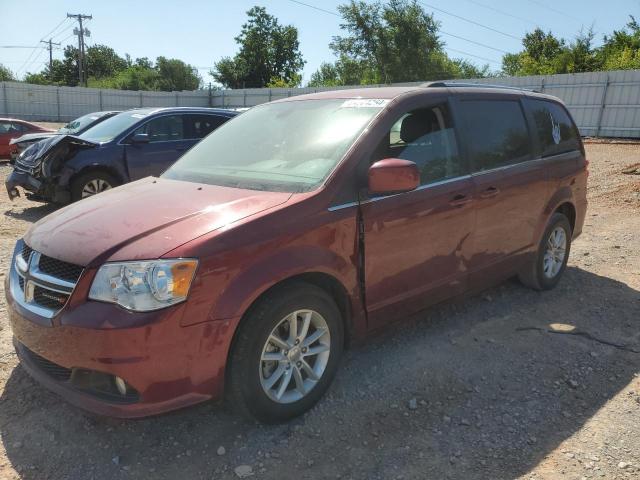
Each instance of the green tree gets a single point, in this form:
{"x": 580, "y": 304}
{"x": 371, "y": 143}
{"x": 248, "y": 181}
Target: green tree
{"x": 103, "y": 61}
{"x": 174, "y": 74}
{"x": 621, "y": 50}
{"x": 385, "y": 43}
{"x": 539, "y": 57}
{"x": 6, "y": 75}
{"x": 269, "y": 53}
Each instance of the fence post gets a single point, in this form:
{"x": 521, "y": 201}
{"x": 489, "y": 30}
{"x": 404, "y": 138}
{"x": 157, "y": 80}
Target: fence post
{"x": 603, "y": 104}
{"x": 222, "y": 98}
{"x": 6, "y": 100}
{"x": 244, "y": 98}
{"x": 210, "y": 97}
{"x": 270, "y": 94}
{"x": 58, "y": 102}
{"x": 100, "y": 98}
{"x": 542, "y": 86}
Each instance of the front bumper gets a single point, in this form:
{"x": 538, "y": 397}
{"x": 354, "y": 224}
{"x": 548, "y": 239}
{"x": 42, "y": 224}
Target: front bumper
{"x": 24, "y": 180}
{"x": 167, "y": 366}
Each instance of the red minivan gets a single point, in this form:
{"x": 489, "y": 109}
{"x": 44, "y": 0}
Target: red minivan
{"x": 246, "y": 268}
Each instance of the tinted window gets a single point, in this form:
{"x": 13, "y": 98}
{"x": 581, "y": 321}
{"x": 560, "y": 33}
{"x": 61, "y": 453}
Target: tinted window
{"x": 17, "y": 127}
{"x": 163, "y": 129}
{"x": 5, "y": 127}
{"x": 554, "y": 128}
{"x": 426, "y": 137}
{"x": 199, "y": 126}
{"x": 496, "y": 132}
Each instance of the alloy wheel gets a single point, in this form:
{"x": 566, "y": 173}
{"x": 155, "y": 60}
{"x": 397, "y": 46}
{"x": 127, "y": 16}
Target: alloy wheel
{"x": 555, "y": 252}
{"x": 92, "y": 187}
{"x": 295, "y": 356}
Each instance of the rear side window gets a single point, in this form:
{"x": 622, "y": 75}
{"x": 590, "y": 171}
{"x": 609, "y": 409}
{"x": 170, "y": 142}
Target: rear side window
{"x": 554, "y": 128}
{"x": 426, "y": 137}
{"x": 199, "y": 126}
{"x": 496, "y": 131}
{"x": 164, "y": 129}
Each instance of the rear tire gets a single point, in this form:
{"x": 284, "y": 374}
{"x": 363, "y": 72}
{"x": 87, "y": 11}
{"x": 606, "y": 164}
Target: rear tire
{"x": 544, "y": 271}
{"x": 92, "y": 183}
{"x": 266, "y": 355}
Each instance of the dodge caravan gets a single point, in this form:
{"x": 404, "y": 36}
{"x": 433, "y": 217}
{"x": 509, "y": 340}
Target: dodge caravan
{"x": 245, "y": 269}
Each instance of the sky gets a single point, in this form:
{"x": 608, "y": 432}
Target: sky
{"x": 201, "y": 32}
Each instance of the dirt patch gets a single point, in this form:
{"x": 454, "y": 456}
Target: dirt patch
{"x": 488, "y": 387}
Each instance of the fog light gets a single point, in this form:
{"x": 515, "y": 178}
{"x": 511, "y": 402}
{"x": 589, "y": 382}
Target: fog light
{"x": 121, "y": 385}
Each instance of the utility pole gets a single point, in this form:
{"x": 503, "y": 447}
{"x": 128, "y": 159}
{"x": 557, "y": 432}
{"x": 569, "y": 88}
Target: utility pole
{"x": 51, "y": 43}
{"x": 81, "y": 33}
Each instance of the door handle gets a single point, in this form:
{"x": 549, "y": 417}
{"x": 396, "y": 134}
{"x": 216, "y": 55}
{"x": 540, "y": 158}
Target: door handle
{"x": 490, "y": 192}
{"x": 460, "y": 200}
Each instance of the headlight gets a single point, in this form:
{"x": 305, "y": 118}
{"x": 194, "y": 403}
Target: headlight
{"x": 144, "y": 285}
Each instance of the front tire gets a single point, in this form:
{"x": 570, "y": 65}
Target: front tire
{"x": 92, "y": 183}
{"x": 544, "y": 271}
{"x": 286, "y": 353}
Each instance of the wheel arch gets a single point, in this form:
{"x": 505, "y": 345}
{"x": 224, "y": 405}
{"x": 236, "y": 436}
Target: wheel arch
{"x": 326, "y": 282}
{"x": 96, "y": 168}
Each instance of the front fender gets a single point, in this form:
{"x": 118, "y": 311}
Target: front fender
{"x": 108, "y": 158}
{"x": 246, "y": 287}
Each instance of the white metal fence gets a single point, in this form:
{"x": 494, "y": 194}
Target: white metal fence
{"x": 603, "y": 103}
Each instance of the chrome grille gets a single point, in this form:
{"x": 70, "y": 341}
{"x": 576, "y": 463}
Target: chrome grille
{"x": 40, "y": 283}
{"x": 60, "y": 269}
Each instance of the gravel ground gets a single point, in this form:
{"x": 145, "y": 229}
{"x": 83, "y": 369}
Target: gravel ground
{"x": 486, "y": 387}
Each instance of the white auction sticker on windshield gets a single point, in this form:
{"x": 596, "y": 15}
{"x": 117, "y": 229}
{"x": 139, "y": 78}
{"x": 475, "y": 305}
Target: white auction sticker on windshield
{"x": 365, "y": 103}
{"x": 138, "y": 115}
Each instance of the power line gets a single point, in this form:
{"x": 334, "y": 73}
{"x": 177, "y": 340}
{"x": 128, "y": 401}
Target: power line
{"x": 560, "y": 12}
{"x": 473, "y": 22}
{"x": 63, "y": 30}
{"x": 502, "y": 12}
{"x": 54, "y": 28}
{"x": 476, "y": 56}
{"x": 441, "y": 31}
{"x": 21, "y": 46}
{"x": 316, "y": 8}
{"x": 474, "y": 42}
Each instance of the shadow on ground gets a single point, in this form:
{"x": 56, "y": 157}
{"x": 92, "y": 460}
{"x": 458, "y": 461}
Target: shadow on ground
{"x": 495, "y": 393}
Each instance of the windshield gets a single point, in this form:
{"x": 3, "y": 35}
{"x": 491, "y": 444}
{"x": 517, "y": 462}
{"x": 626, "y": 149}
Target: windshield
{"x": 79, "y": 124}
{"x": 112, "y": 127}
{"x": 287, "y": 146}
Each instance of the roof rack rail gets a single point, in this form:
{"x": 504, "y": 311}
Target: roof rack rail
{"x": 473, "y": 85}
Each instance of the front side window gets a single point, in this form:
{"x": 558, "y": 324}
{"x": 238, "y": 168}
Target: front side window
{"x": 5, "y": 127}
{"x": 18, "y": 128}
{"x": 427, "y": 138}
{"x": 112, "y": 127}
{"x": 79, "y": 124}
{"x": 554, "y": 128}
{"x": 284, "y": 146}
{"x": 496, "y": 133}
{"x": 163, "y": 129}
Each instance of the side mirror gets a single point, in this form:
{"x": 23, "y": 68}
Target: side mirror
{"x": 393, "y": 175}
{"x": 140, "y": 138}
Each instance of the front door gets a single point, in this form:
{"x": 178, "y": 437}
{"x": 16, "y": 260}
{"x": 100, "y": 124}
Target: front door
{"x": 416, "y": 243}
{"x": 166, "y": 144}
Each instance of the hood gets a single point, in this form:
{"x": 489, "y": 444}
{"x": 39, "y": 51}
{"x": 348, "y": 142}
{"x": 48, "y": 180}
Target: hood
{"x": 32, "y": 137}
{"x": 56, "y": 147}
{"x": 144, "y": 219}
